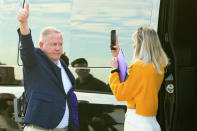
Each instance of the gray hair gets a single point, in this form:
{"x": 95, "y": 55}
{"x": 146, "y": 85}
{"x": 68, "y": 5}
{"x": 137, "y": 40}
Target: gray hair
{"x": 149, "y": 49}
{"x": 46, "y": 31}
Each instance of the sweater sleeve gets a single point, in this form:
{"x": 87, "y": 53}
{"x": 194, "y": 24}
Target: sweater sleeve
{"x": 130, "y": 88}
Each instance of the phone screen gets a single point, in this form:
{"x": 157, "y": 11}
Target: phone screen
{"x": 113, "y": 39}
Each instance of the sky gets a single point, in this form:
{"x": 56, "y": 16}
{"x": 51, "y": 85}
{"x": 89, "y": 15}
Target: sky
{"x": 86, "y": 26}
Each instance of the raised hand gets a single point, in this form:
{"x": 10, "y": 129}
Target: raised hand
{"x": 23, "y": 15}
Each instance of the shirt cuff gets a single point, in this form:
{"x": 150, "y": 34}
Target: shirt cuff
{"x": 24, "y": 36}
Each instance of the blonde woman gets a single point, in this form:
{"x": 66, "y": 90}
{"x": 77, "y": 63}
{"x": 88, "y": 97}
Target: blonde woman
{"x": 140, "y": 90}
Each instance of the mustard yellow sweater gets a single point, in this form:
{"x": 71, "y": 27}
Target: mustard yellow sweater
{"x": 140, "y": 89}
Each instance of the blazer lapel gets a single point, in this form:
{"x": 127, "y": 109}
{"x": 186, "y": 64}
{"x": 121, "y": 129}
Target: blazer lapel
{"x": 55, "y": 69}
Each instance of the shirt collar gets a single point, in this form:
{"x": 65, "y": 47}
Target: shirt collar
{"x": 59, "y": 64}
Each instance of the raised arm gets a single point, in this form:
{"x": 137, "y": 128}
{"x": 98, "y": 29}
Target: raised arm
{"x": 22, "y": 17}
{"x": 27, "y": 46}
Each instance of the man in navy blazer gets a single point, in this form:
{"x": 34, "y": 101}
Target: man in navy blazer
{"x": 50, "y": 103}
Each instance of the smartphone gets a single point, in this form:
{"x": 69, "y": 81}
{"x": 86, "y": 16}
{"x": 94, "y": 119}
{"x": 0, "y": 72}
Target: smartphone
{"x": 113, "y": 39}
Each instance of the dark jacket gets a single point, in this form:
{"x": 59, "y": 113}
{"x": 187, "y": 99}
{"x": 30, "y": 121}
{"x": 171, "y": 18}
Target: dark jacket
{"x": 91, "y": 83}
{"x": 46, "y": 99}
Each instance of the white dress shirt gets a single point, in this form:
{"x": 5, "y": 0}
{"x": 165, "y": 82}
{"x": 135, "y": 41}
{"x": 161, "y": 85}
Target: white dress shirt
{"x": 67, "y": 86}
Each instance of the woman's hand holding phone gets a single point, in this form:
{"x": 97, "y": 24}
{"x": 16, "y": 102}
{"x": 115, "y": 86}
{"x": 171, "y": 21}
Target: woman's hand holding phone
{"x": 114, "y": 63}
{"x": 117, "y": 49}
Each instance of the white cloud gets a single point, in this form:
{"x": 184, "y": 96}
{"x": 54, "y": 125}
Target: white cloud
{"x": 1, "y": 18}
{"x": 93, "y": 6}
{"x": 9, "y": 12}
{"x": 101, "y": 16}
{"x": 79, "y": 17}
{"x": 85, "y": 4}
{"x": 136, "y": 22}
{"x": 90, "y": 36}
{"x": 109, "y": 14}
{"x": 39, "y": 8}
{"x": 1, "y": 2}
{"x": 51, "y": 8}
{"x": 90, "y": 27}
{"x": 9, "y": 7}
{"x": 35, "y": 21}
{"x": 95, "y": 13}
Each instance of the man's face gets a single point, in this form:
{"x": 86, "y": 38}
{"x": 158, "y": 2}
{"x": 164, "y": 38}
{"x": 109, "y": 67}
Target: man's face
{"x": 82, "y": 73}
{"x": 52, "y": 46}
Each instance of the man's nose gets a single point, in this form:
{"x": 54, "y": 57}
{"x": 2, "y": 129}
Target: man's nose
{"x": 58, "y": 47}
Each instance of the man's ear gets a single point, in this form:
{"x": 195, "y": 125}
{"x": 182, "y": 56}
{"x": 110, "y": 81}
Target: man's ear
{"x": 41, "y": 45}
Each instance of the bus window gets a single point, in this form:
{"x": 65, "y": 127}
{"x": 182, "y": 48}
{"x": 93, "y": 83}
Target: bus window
{"x": 85, "y": 25}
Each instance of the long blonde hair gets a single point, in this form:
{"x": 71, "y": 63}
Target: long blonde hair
{"x": 149, "y": 49}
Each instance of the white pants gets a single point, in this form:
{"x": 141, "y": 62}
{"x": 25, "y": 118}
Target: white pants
{"x": 36, "y": 128}
{"x": 135, "y": 122}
